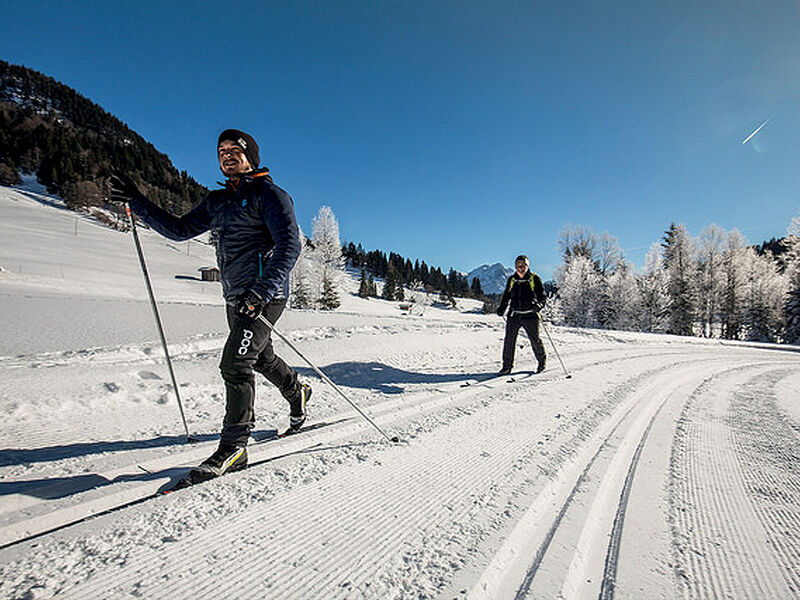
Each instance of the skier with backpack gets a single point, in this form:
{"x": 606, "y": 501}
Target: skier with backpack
{"x": 257, "y": 240}
{"x": 524, "y": 292}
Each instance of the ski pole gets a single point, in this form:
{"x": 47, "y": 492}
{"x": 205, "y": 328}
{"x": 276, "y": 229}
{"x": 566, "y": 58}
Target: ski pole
{"x": 138, "y": 244}
{"x": 555, "y": 350}
{"x": 326, "y": 379}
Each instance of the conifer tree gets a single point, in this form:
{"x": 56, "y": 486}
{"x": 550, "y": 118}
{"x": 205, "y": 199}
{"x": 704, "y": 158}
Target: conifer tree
{"x": 477, "y": 291}
{"x": 390, "y": 284}
{"x": 363, "y": 285}
{"x": 372, "y": 287}
{"x": 678, "y": 264}
{"x": 329, "y": 299}
{"x": 791, "y": 307}
{"x": 489, "y": 305}
{"x": 300, "y": 295}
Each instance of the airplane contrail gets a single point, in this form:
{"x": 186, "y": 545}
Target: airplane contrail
{"x": 759, "y": 128}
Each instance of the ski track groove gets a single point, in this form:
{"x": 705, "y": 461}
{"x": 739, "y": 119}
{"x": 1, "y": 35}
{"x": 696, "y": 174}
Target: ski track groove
{"x": 773, "y": 454}
{"x": 623, "y": 441}
{"x": 631, "y": 401}
{"x": 157, "y": 572}
{"x": 608, "y": 584}
{"x": 727, "y": 555}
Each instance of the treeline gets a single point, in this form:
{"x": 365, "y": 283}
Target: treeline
{"x": 714, "y": 285}
{"x": 73, "y": 145}
{"x": 398, "y": 271}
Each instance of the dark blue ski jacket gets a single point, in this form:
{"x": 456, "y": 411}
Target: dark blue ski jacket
{"x": 253, "y": 226}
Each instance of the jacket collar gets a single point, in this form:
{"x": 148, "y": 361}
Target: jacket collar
{"x": 235, "y": 183}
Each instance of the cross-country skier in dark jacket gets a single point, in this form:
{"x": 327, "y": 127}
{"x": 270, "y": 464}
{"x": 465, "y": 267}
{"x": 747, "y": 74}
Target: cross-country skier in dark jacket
{"x": 525, "y": 293}
{"x": 257, "y": 240}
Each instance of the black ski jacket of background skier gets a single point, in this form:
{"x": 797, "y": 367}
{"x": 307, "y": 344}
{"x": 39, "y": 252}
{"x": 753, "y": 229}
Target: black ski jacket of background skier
{"x": 524, "y": 294}
{"x": 253, "y": 226}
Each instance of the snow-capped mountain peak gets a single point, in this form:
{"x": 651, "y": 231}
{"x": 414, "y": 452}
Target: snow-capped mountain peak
{"x": 492, "y": 277}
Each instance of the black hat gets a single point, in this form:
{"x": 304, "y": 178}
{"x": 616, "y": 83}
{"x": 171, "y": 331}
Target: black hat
{"x": 245, "y": 142}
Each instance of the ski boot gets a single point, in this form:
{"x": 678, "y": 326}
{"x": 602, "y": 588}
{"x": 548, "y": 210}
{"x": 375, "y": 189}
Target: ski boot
{"x": 297, "y": 406}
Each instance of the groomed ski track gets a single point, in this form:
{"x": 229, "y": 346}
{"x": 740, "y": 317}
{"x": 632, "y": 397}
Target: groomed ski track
{"x": 661, "y": 469}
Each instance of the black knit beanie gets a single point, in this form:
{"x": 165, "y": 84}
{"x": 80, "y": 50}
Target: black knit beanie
{"x": 245, "y": 142}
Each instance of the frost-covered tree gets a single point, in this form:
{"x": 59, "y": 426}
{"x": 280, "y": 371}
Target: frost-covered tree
{"x": 764, "y": 296}
{"x": 791, "y": 306}
{"x": 609, "y": 255}
{"x": 677, "y": 252}
{"x": 733, "y": 293}
{"x": 578, "y": 241}
{"x": 552, "y": 311}
{"x": 653, "y": 286}
{"x": 603, "y": 251}
{"x": 622, "y": 299}
{"x": 325, "y": 236}
{"x": 302, "y": 277}
{"x": 580, "y": 290}
{"x": 328, "y": 253}
{"x": 709, "y": 251}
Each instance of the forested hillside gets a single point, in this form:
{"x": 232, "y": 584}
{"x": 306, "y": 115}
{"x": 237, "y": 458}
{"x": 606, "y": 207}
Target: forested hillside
{"x": 73, "y": 145}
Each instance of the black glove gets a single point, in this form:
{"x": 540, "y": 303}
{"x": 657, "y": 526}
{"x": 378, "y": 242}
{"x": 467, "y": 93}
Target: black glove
{"x": 123, "y": 188}
{"x": 250, "y": 304}
{"x": 500, "y": 312}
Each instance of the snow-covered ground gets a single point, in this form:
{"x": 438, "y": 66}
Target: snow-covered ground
{"x": 663, "y": 467}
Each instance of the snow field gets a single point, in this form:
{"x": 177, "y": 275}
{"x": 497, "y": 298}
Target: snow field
{"x": 666, "y": 467}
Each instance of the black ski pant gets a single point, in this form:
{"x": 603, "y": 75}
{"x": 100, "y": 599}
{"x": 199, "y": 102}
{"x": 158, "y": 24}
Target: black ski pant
{"x": 530, "y": 323}
{"x": 249, "y": 349}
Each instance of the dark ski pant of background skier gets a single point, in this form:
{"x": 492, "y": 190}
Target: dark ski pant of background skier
{"x": 530, "y": 323}
{"x": 249, "y": 348}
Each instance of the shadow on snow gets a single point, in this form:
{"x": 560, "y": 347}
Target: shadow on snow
{"x": 383, "y": 378}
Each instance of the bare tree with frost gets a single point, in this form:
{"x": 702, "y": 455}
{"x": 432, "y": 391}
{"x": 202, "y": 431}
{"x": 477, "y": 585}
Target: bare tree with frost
{"x": 709, "y": 252}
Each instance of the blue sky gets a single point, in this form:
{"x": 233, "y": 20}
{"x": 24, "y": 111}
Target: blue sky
{"x": 461, "y": 133}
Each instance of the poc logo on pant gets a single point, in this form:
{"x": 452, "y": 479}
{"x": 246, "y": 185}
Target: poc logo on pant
{"x": 247, "y": 337}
